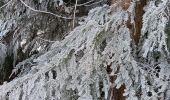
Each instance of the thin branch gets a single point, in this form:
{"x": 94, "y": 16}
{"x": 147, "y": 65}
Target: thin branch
{"x": 74, "y": 14}
{"x": 46, "y": 40}
{"x": 93, "y": 3}
{"x": 87, "y": 3}
{"x": 6, "y": 4}
{"x": 39, "y": 11}
{"x": 83, "y": 4}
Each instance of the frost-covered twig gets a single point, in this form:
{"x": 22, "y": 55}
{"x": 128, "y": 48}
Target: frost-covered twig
{"x": 6, "y": 4}
{"x": 46, "y": 12}
{"x": 93, "y": 3}
{"x": 74, "y": 14}
{"x": 89, "y": 3}
{"x": 46, "y": 40}
{"x": 84, "y": 4}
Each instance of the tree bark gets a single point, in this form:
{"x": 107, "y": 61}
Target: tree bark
{"x": 136, "y": 32}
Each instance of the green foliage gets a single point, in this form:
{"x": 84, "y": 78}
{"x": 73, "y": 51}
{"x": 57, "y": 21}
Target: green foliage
{"x": 100, "y": 37}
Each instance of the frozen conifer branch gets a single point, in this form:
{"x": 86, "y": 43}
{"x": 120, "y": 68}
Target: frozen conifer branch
{"x": 77, "y": 67}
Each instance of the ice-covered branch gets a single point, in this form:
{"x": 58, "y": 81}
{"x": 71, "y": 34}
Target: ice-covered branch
{"x": 6, "y": 4}
{"x": 89, "y": 3}
{"x": 46, "y": 12}
{"x": 46, "y": 40}
{"x": 98, "y": 57}
{"x": 74, "y": 14}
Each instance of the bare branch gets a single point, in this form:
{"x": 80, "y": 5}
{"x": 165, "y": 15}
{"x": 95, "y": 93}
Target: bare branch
{"x": 39, "y": 11}
{"x": 83, "y": 4}
{"x": 6, "y": 4}
{"x": 74, "y": 14}
{"x": 93, "y": 3}
{"x": 88, "y": 3}
{"x": 46, "y": 40}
